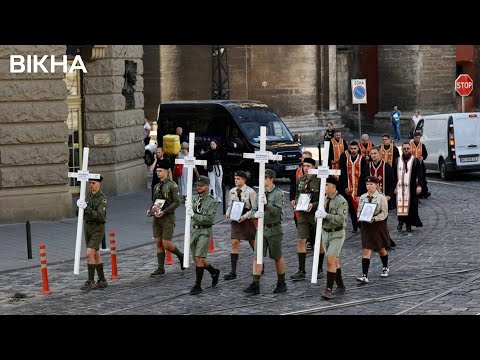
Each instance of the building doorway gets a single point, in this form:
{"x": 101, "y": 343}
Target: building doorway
{"x": 75, "y": 128}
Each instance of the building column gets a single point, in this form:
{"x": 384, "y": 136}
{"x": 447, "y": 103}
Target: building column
{"x": 415, "y": 77}
{"x": 114, "y": 121}
{"x": 33, "y": 136}
{"x": 327, "y": 86}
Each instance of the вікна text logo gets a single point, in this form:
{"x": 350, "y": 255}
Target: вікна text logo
{"x": 32, "y": 64}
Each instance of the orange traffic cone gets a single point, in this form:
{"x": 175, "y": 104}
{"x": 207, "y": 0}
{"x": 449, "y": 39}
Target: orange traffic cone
{"x": 211, "y": 247}
{"x": 169, "y": 257}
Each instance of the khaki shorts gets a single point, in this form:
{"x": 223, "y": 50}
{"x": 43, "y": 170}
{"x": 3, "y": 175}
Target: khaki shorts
{"x": 199, "y": 242}
{"x": 163, "y": 227}
{"x": 272, "y": 240}
{"x": 333, "y": 242}
{"x": 94, "y": 234}
{"x": 305, "y": 228}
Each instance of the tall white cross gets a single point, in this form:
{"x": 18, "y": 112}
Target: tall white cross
{"x": 262, "y": 157}
{"x": 82, "y": 176}
{"x": 322, "y": 173}
{"x": 190, "y": 163}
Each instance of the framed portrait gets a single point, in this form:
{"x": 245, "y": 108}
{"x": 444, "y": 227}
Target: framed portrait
{"x": 367, "y": 212}
{"x": 157, "y": 206}
{"x": 237, "y": 210}
{"x": 303, "y": 202}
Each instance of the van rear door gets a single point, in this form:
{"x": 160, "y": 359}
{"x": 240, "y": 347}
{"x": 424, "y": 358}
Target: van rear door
{"x": 467, "y": 139}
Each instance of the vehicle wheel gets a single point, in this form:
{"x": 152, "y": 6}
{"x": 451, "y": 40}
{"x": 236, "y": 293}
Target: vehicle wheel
{"x": 444, "y": 175}
{"x": 149, "y": 158}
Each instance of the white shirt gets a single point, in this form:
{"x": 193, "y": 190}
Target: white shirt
{"x": 416, "y": 119}
{"x": 146, "y": 130}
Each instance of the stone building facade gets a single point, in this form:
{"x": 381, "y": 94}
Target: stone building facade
{"x": 36, "y": 110}
{"x": 46, "y": 119}
{"x": 310, "y": 84}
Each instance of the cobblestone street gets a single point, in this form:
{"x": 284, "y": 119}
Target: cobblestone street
{"x": 433, "y": 270}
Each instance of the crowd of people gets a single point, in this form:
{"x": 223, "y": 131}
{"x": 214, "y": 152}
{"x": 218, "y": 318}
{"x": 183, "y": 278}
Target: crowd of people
{"x": 373, "y": 182}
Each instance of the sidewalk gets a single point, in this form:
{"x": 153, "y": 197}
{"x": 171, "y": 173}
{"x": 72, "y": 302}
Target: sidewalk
{"x": 125, "y": 216}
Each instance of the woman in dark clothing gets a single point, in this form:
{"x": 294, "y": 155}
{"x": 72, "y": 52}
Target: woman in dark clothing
{"x": 327, "y": 137}
{"x": 215, "y": 171}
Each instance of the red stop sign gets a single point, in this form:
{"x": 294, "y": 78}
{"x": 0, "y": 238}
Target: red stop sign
{"x": 464, "y": 85}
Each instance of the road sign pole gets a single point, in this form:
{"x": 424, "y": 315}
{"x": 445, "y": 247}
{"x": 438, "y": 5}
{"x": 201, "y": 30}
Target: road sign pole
{"x": 463, "y": 104}
{"x": 359, "y": 125}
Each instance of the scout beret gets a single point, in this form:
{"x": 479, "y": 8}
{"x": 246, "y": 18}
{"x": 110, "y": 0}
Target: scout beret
{"x": 242, "y": 174}
{"x": 270, "y": 173}
{"x": 99, "y": 180}
{"x": 309, "y": 161}
{"x": 202, "y": 180}
{"x": 163, "y": 164}
{"x": 332, "y": 180}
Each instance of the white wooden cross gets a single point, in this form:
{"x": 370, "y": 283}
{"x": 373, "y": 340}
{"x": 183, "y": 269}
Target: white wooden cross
{"x": 262, "y": 157}
{"x": 83, "y": 176}
{"x": 190, "y": 162}
{"x": 322, "y": 173}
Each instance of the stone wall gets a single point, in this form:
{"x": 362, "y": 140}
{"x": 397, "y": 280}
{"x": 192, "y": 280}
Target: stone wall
{"x": 151, "y": 76}
{"x": 414, "y": 77}
{"x": 33, "y": 134}
{"x": 114, "y": 134}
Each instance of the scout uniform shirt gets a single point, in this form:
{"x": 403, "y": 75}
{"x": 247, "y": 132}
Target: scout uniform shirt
{"x": 167, "y": 190}
{"x": 95, "y": 215}
{"x": 273, "y": 213}
{"x": 96, "y": 211}
{"x": 247, "y": 195}
{"x": 204, "y": 210}
{"x": 337, "y": 210}
{"x": 308, "y": 186}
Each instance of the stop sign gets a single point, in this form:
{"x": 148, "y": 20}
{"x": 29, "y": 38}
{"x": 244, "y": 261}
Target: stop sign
{"x": 464, "y": 84}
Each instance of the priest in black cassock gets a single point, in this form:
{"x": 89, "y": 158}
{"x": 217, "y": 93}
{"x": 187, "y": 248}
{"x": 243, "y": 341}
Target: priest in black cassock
{"x": 409, "y": 186}
{"x": 383, "y": 172}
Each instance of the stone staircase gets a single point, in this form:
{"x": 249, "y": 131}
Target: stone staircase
{"x": 307, "y": 128}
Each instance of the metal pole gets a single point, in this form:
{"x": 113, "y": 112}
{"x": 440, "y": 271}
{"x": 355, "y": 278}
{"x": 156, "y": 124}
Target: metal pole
{"x": 223, "y": 197}
{"x": 29, "y": 241}
{"x": 359, "y": 125}
{"x": 104, "y": 242}
{"x": 463, "y": 104}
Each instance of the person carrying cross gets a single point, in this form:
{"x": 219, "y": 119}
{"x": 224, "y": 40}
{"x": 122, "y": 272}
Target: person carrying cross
{"x": 95, "y": 215}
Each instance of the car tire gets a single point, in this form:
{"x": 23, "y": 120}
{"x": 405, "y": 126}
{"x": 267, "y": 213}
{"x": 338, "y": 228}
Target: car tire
{"x": 444, "y": 174}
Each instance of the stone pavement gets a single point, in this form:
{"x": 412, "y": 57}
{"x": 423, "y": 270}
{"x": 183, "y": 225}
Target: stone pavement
{"x": 125, "y": 216}
{"x": 433, "y": 270}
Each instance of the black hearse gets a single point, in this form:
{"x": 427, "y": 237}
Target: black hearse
{"x": 235, "y": 125}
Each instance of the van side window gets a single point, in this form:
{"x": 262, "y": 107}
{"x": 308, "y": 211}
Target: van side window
{"x": 420, "y": 125}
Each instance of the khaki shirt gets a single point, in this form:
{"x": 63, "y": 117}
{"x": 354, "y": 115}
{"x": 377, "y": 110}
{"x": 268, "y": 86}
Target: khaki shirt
{"x": 204, "y": 209}
{"x": 311, "y": 187}
{"x": 248, "y": 196}
{"x": 381, "y": 212}
{"x": 337, "y": 213}
{"x": 274, "y": 209}
{"x": 169, "y": 191}
{"x": 96, "y": 210}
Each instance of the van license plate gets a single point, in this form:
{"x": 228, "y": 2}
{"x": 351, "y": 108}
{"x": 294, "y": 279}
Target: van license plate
{"x": 291, "y": 167}
{"x": 469, "y": 159}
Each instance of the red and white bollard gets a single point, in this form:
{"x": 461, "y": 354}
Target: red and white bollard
{"x": 43, "y": 264}
{"x": 113, "y": 256}
{"x": 211, "y": 246}
{"x": 169, "y": 257}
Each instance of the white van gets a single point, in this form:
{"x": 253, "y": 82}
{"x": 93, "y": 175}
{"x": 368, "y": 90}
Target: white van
{"x": 452, "y": 142}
